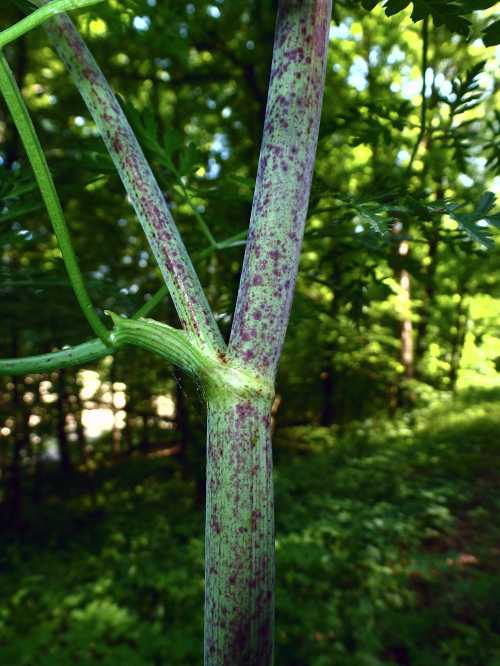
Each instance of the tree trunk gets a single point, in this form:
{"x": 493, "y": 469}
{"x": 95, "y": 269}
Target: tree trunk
{"x": 62, "y": 437}
{"x": 457, "y": 345}
{"x": 428, "y": 300}
{"x": 239, "y": 601}
{"x": 116, "y": 435}
{"x": 327, "y": 411}
{"x": 407, "y": 353}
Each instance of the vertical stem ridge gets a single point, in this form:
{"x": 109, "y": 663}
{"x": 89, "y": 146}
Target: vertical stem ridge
{"x": 239, "y": 536}
{"x": 147, "y": 199}
{"x": 283, "y": 183}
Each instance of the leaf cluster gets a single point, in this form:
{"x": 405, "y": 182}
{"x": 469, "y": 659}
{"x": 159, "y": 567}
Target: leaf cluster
{"x": 453, "y": 14}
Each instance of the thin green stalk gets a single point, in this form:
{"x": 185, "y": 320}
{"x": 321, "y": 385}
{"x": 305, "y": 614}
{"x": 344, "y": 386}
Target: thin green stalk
{"x": 87, "y": 352}
{"x": 36, "y": 156}
{"x": 153, "y": 302}
{"x": 203, "y": 225}
{"x": 40, "y": 16}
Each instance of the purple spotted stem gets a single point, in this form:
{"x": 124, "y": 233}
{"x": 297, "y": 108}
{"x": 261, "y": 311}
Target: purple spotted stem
{"x": 283, "y": 183}
{"x": 239, "y": 603}
{"x": 147, "y": 199}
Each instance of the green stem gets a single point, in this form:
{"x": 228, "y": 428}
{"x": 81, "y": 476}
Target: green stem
{"x": 87, "y": 352}
{"x": 22, "y": 120}
{"x": 40, "y": 16}
{"x": 217, "y": 377}
{"x": 153, "y": 302}
{"x": 203, "y": 225}
{"x": 172, "y": 344}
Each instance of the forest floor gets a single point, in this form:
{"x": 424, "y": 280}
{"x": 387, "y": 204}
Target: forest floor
{"x": 388, "y": 544}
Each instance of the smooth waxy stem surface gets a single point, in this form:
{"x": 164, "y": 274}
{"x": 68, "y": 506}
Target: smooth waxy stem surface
{"x": 283, "y": 183}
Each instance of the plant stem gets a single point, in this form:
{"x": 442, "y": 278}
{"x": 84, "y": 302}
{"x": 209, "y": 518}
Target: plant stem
{"x": 146, "y": 197}
{"x": 239, "y": 533}
{"x": 283, "y": 183}
{"x": 36, "y": 156}
{"x": 205, "y": 229}
{"x": 87, "y": 352}
{"x": 153, "y": 302}
{"x": 40, "y": 16}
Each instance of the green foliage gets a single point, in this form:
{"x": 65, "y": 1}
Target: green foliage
{"x": 450, "y": 13}
{"x": 491, "y": 34}
{"x": 471, "y": 223}
{"x": 18, "y": 196}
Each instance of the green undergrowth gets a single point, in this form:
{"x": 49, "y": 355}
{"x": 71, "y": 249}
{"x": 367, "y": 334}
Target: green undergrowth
{"x": 387, "y": 552}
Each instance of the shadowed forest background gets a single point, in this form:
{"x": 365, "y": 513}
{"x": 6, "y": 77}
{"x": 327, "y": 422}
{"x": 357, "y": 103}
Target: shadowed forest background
{"x": 387, "y": 414}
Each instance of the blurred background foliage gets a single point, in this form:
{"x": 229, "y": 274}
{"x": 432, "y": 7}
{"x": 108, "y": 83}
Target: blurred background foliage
{"x": 386, "y": 417}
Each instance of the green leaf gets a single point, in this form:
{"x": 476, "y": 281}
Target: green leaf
{"x": 25, "y": 5}
{"x": 470, "y": 223}
{"x": 172, "y": 142}
{"x": 491, "y": 34}
{"x": 420, "y": 11}
{"x": 486, "y": 203}
{"x": 394, "y": 6}
{"x": 457, "y": 24}
{"x": 191, "y": 159}
{"x": 20, "y": 211}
